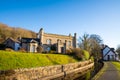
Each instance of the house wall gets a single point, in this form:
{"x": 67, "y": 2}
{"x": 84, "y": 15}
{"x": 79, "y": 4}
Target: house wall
{"x": 24, "y": 45}
{"x": 10, "y": 43}
{"x": 29, "y": 46}
{"x": 69, "y": 40}
{"x": 111, "y": 54}
{"x": 54, "y": 39}
{"x": 17, "y": 46}
{"x": 14, "y": 44}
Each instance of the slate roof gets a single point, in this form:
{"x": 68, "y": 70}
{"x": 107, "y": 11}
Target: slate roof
{"x": 14, "y": 40}
{"x": 28, "y": 40}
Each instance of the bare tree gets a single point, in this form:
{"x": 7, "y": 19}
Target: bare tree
{"x": 84, "y": 42}
{"x": 118, "y": 50}
{"x": 92, "y": 44}
{"x": 96, "y": 42}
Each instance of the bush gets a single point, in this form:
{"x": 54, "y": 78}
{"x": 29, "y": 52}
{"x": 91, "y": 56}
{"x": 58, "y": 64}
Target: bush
{"x": 76, "y": 51}
{"x": 8, "y": 49}
{"x": 80, "y": 54}
{"x": 53, "y": 47}
{"x": 39, "y": 49}
{"x": 52, "y": 51}
{"x": 86, "y": 55}
{"x": 2, "y": 46}
{"x": 68, "y": 51}
{"x": 22, "y": 50}
{"x": 92, "y": 58}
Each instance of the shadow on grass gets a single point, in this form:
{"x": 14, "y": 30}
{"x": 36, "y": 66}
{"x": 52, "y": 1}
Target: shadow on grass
{"x": 54, "y": 62}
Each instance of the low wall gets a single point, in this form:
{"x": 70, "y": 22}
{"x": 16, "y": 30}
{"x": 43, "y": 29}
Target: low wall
{"x": 47, "y": 72}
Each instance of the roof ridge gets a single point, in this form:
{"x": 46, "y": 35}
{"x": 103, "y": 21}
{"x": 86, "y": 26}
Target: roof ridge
{"x": 59, "y": 34}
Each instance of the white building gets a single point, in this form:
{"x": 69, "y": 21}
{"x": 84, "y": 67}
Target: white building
{"x": 109, "y": 54}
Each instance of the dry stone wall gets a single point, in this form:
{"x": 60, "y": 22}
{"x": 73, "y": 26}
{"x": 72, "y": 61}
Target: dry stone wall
{"x": 45, "y": 73}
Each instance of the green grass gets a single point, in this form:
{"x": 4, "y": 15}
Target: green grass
{"x": 117, "y": 65}
{"x": 14, "y": 60}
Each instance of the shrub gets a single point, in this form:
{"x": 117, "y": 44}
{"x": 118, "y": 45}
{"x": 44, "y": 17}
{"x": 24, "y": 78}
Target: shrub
{"x": 39, "y": 49}
{"x": 2, "y": 46}
{"x": 22, "y": 50}
{"x": 86, "y": 55}
{"x": 53, "y": 47}
{"x": 75, "y": 50}
{"x": 52, "y": 51}
{"x": 92, "y": 58}
{"x": 68, "y": 51}
{"x": 9, "y": 49}
{"x": 80, "y": 54}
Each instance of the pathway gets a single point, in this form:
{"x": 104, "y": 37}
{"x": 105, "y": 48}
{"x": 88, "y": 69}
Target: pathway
{"x": 111, "y": 73}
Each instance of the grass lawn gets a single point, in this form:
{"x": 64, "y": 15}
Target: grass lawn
{"x": 14, "y": 60}
{"x": 117, "y": 65}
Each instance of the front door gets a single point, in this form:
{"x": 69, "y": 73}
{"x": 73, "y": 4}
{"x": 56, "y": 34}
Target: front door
{"x": 62, "y": 49}
{"x": 108, "y": 57}
{"x": 33, "y": 48}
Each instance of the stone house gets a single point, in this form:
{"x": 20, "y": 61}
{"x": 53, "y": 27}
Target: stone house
{"x": 30, "y": 44}
{"x": 12, "y": 43}
{"x": 109, "y": 54}
{"x": 61, "y": 43}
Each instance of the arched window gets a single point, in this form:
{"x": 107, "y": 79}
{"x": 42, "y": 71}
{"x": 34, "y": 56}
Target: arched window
{"x": 60, "y": 41}
{"x": 65, "y": 40}
{"x": 57, "y": 40}
{"x": 48, "y": 41}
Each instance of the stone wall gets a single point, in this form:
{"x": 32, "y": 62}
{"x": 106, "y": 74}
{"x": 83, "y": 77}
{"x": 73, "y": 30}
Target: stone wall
{"x": 47, "y": 72}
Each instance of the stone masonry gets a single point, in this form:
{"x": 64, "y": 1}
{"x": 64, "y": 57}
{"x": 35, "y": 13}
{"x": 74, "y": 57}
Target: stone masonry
{"x": 61, "y": 42}
{"x": 45, "y": 73}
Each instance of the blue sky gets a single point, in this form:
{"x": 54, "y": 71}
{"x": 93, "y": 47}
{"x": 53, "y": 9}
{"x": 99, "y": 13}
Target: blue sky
{"x": 101, "y": 17}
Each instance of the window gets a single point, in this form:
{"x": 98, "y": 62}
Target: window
{"x": 60, "y": 41}
{"x": 48, "y": 41}
{"x": 57, "y": 40}
{"x": 65, "y": 40}
{"x": 69, "y": 43}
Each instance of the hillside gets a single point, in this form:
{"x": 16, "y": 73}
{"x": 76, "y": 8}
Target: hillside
{"x": 14, "y": 60}
{"x": 14, "y": 32}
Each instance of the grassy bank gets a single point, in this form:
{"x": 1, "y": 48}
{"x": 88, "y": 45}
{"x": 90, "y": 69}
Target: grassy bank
{"x": 14, "y": 60}
{"x": 117, "y": 65}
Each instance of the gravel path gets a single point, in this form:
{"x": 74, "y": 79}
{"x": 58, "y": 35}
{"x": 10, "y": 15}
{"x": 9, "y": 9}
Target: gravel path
{"x": 111, "y": 73}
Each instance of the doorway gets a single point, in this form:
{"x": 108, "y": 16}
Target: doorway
{"x": 62, "y": 49}
{"x": 33, "y": 48}
{"x": 108, "y": 57}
